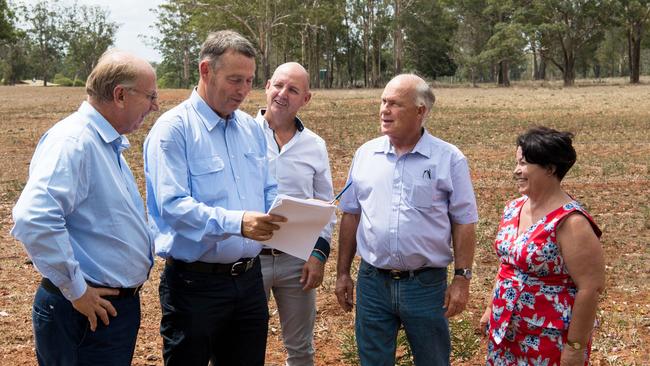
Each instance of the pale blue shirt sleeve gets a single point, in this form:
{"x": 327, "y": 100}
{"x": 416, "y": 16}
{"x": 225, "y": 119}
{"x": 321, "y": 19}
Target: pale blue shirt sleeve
{"x": 167, "y": 169}
{"x": 56, "y": 185}
{"x": 349, "y": 202}
{"x": 462, "y": 202}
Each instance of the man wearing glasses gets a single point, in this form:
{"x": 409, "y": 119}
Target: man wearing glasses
{"x": 82, "y": 221}
{"x": 208, "y": 184}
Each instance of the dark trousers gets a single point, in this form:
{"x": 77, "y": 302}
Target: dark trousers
{"x": 63, "y": 335}
{"x": 213, "y": 316}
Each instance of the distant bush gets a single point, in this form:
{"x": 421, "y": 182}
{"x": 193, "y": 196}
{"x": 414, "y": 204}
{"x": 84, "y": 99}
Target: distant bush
{"x": 62, "y": 80}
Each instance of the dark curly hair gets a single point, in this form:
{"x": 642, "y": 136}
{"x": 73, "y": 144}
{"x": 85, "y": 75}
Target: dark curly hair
{"x": 549, "y": 148}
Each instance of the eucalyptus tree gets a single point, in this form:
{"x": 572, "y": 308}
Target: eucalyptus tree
{"x": 45, "y": 28}
{"x": 570, "y": 27}
{"x": 633, "y": 16}
{"x": 88, "y": 33}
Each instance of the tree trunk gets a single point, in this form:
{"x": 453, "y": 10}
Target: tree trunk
{"x": 569, "y": 72}
{"x": 535, "y": 66}
{"x": 503, "y": 79}
{"x": 542, "y": 67}
{"x": 350, "y": 54}
{"x": 398, "y": 39}
{"x": 634, "y": 49}
{"x": 186, "y": 67}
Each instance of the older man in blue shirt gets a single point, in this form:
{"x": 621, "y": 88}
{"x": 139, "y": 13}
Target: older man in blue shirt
{"x": 208, "y": 183}
{"x": 82, "y": 221}
{"x": 411, "y": 197}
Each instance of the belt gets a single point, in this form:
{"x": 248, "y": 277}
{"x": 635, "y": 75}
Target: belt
{"x": 124, "y": 291}
{"x": 232, "y": 269}
{"x": 271, "y": 251}
{"x": 400, "y": 275}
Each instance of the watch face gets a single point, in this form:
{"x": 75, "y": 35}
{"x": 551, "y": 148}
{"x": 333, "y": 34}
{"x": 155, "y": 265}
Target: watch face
{"x": 465, "y": 272}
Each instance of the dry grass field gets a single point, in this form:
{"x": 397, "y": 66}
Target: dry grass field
{"x": 611, "y": 178}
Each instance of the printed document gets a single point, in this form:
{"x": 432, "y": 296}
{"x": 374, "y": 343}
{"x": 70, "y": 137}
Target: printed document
{"x": 305, "y": 220}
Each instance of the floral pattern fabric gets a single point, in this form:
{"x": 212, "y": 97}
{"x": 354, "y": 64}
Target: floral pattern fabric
{"x": 534, "y": 294}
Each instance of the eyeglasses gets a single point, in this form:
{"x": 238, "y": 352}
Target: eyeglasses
{"x": 153, "y": 97}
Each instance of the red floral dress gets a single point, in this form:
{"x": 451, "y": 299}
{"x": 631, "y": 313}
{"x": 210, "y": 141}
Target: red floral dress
{"x": 534, "y": 294}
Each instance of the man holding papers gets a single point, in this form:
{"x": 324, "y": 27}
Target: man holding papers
{"x": 411, "y": 197}
{"x": 298, "y": 160}
{"x": 208, "y": 185}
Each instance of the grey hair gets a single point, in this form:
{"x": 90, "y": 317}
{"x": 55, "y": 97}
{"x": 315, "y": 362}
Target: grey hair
{"x": 220, "y": 42}
{"x": 424, "y": 95}
{"x": 113, "y": 68}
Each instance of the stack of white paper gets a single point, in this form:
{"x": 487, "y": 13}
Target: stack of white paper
{"x": 305, "y": 220}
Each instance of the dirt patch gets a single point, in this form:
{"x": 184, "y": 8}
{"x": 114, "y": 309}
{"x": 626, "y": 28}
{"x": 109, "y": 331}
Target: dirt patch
{"x": 611, "y": 178}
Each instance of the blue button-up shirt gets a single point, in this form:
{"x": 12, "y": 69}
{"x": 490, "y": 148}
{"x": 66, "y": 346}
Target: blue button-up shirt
{"x": 80, "y": 216}
{"x": 202, "y": 173}
{"x": 408, "y": 203}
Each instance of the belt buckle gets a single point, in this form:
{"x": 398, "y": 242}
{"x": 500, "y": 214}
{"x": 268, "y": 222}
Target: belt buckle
{"x": 275, "y": 252}
{"x": 395, "y": 274}
{"x": 235, "y": 269}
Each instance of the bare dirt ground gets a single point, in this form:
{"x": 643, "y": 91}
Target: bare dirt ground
{"x": 611, "y": 177}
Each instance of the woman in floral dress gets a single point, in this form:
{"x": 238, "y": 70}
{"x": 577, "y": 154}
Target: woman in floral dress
{"x": 551, "y": 263}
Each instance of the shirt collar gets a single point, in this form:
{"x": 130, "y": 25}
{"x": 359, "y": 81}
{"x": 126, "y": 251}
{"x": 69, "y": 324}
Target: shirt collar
{"x": 299, "y": 125}
{"x": 422, "y": 147}
{"x": 105, "y": 130}
{"x": 209, "y": 117}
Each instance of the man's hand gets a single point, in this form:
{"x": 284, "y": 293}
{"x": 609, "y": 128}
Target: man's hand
{"x": 259, "y": 226}
{"x": 345, "y": 291}
{"x": 91, "y": 304}
{"x": 312, "y": 273}
{"x": 456, "y": 296}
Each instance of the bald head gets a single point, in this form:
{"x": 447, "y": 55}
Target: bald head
{"x": 286, "y": 93}
{"x": 415, "y": 86}
{"x": 294, "y": 71}
{"x": 115, "y": 68}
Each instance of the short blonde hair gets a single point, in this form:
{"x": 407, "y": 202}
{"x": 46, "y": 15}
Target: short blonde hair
{"x": 113, "y": 68}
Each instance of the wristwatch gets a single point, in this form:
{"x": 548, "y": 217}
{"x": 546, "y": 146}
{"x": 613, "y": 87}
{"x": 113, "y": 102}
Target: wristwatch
{"x": 575, "y": 345}
{"x": 465, "y": 272}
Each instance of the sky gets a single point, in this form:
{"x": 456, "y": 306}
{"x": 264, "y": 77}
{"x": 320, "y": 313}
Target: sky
{"x": 134, "y": 18}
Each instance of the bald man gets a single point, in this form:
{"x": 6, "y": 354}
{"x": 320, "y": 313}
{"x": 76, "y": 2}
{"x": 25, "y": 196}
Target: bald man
{"x": 82, "y": 221}
{"x": 299, "y": 162}
{"x": 410, "y": 198}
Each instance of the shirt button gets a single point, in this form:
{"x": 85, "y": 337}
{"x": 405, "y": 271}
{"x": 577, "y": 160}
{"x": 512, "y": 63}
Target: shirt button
{"x": 237, "y": 177}
{"x": 232, "y": 156}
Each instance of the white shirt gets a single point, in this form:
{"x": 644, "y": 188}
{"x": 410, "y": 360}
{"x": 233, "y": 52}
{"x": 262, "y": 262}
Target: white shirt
{"x": 301, "y": 167}
{"x": 408, "y": 203}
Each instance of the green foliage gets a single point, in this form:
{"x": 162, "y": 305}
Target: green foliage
{"x": 61, "y": 80}
{"x": 6, "y": 22}
{"x": 430, "y": 56}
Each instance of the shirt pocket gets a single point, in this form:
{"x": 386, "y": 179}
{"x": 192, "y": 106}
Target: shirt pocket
{"x": 207, "y": 181}
{"x": 423, "y": 195}
{"x": 256, "y": 164}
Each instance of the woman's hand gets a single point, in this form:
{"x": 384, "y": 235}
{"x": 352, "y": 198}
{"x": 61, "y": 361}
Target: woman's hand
{"x": 572, "y": 357}
{"x": 485, "y": 319}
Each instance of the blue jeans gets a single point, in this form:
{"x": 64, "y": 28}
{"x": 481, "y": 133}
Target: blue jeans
{"x": 63, "y": 335}
{"x": 210, "y": 316}
{"x": 383, "y": 304}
